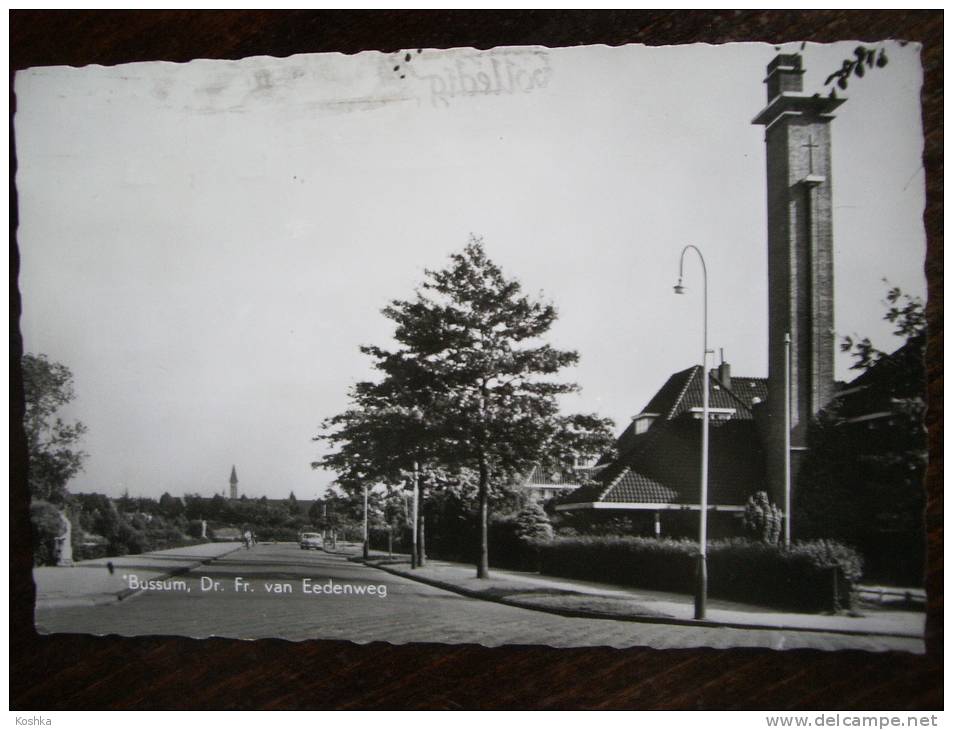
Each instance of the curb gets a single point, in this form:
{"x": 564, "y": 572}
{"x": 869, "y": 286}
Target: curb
{"x": 634, "y": 618}
{"x": 101, "y": 599}
{"x": 129, "y": 592}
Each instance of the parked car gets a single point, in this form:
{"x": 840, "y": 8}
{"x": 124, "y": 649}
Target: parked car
{"x": 310, "y": 541}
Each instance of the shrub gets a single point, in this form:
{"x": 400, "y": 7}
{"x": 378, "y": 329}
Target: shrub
{"x": 763, "y": 519}
{"x": 666, "y": 565}
{"x": 47, "y": 526}
{"x": 265, "y": 533}
{"x": 458, "y": 540}
{"x": 91, "y": 547}
{"x": 400, "y": 537}
{"x": 128, "y": 540}
{"x": 532, "y": 523}
{"x": 801, "y": 577}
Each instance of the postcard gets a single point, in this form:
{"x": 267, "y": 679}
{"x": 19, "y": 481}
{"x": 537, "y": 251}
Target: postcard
{"x": 593, "y": 346}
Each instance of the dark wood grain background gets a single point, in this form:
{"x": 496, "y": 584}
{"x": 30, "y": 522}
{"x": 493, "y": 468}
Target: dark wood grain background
{"x": 81, "y": 672}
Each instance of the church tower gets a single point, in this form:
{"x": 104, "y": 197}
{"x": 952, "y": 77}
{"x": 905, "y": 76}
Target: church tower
{"x": 800, "y": 258}
{"x": 233, "y": 484}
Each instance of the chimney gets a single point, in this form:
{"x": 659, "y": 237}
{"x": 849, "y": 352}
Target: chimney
{"x": 724, "y": 375}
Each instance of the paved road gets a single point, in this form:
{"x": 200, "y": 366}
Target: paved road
{"x": 90, "y": 582}
{"x": 410, "y": 612}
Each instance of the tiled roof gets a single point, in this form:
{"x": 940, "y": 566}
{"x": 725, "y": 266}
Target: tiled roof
{"x": 631, "y": 486}
{"x": 662, "y": 465}
{"x": 739, "y": 397}
{"x": 666, "y": 400}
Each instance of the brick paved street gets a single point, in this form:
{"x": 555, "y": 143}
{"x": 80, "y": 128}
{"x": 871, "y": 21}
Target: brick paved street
{"x": 410, "y": 612}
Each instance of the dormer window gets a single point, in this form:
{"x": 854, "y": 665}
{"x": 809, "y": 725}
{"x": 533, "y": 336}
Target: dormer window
{"x": 714, "y": 414}
{"x": 643, "y": 421}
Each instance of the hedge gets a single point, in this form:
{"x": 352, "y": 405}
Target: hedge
{"x": 507, "y": 549}
{"x": 800, "y": 578}
{"x": 264, "y": 533}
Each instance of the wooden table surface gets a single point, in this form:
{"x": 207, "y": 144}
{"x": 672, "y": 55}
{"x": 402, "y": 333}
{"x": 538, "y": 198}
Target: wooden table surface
{"x": 82, "y": 672}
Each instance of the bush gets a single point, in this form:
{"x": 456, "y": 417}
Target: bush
{"x": 762, "y": 519}
{"x": 798, "y": 578}
{"x": 507, "y": 546}
{"x": 47, "y": 526}
{"x": 462, "y": 544}
{"x": 91, "y": 547}
{"x": 532, "y": 523}
{"x": 665, "y": 565}
{"x": 128, "y": 540}
{"x": 401, "y": 539}
{"x": 275, "y": 534}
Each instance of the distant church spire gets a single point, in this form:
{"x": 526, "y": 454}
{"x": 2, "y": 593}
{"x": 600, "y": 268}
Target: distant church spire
{"x": 233, "y": 483}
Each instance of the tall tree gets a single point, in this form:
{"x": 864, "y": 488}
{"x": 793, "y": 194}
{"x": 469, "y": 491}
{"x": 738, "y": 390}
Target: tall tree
{"x": 170, "y": 506}
{"x": 470, "y": 352}
{"x": 385, "y": 438}
{"x": 862, "y": 478}
{"x": 53, "y": 456}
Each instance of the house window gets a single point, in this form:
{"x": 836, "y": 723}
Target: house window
{"x": 714, "y": 414}
{"x": 643, "y": 421}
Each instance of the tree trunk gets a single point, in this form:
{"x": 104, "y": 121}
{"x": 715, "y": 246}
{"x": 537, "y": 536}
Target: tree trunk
{"x": 390, "y": 541}
{"x": 483, "y": 561}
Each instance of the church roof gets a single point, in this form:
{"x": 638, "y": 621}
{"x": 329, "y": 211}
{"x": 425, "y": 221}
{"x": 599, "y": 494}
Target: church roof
{"x": 661, "y": 465}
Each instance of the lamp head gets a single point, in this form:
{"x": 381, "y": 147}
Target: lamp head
{"x": 679, "y": 289}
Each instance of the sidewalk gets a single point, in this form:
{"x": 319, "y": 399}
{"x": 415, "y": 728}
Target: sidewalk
{"x": 570, "y": 597}
{"x": 90, "y": 582}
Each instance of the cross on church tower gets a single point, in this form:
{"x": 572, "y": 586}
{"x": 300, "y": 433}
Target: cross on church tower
{"x": 800, "y": 260}
{"x": 810, "y": 153}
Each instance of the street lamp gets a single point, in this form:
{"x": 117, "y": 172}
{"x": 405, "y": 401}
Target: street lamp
{"x": 701, "y": 574}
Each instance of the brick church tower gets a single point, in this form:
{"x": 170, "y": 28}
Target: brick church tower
{"x": 233, "y": 484}
{"x": 800, "y": 259}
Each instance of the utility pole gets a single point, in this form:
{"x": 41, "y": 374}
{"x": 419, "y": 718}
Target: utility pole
{"x": 787, "y": 439}
{"x": 367, "y": 546}
{"x": 413, "y": 521}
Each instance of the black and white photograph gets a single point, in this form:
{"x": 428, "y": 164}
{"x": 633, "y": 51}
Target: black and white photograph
{"x": 570, "y": 347}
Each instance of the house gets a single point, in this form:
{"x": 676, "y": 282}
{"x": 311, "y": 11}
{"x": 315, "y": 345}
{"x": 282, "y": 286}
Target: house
{"x": 656, "y": 473}
{"x": 547, "y": 481}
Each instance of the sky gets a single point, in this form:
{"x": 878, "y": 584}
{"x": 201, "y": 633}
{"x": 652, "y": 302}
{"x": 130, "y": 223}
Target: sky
{"x": 206, "y": 245}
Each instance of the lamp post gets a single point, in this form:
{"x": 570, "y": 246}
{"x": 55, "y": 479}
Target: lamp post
{"x": 701, "y": 574}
